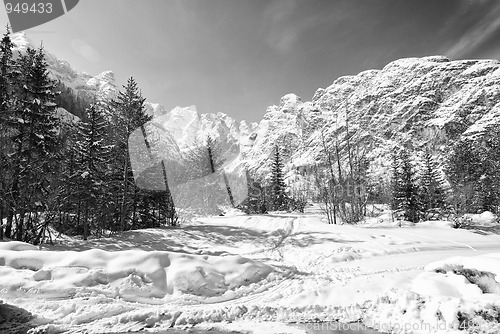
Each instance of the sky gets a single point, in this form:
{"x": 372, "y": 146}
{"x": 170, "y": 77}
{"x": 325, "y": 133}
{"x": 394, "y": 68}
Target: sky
{"x": 240, "y": 56}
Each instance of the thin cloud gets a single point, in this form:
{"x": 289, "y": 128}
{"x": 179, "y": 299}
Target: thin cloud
{"x": 477, "y": 35}
{"x": 281, "y": 35}
{"x": 286, "y": 21}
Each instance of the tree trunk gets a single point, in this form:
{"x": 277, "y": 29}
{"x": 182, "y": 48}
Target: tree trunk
{"x": 86, "y": 222}
{"x": 123, "y": 208}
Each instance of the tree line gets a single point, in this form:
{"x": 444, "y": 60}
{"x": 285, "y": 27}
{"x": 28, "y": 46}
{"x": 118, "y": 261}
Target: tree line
{"x": 77, "y": 176}
{"x": 420, "y": 188}
{"x": 468, "y": 181}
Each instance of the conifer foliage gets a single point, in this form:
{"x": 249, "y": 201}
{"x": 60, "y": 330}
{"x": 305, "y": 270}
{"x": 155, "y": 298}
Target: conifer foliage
{"x": 88, "y": 181}
{"x": 7, "y": 68}
{"x": 418, "y": 190}
{"x": 129, "y": 114}
{"x": 432, "y": 185}
{"x": 405, "y": 188}
{"x": 472, "y": 169}
{"x": 74, "y": 176}
{"x": 278, "y": 186}
{"x": 30, "y": 136}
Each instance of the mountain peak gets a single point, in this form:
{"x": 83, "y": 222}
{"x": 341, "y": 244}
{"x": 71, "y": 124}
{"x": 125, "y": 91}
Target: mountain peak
{"x": 289, "y": 103}
{"x": 21, "y": 40}
{"x": 81, "y": 83}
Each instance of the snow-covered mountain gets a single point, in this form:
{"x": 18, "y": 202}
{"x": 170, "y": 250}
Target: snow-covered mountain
{"x": 417, "y": 102}
{"x": 186, "y": 125}
{"x": 83, "y": 84}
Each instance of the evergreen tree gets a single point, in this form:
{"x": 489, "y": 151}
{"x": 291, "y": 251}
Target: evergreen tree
{"x": 405, "y": 191}
{"x": 67, "y": 202}
{"x": 256, "y": 200}
{"x": 203, "y": 166}
{"x": 93, "y": 155}
{"x": 36, "y": 143}
{"x": 68, "y": 100}
{"x": 489, "y": 181}
{"x": 7, "y": 68}
{"x": 395, "y": 181}
{"x": 129, "y": 115}
{"x": 432, "y": 186}
{"x": 278, "y": 187}
{"x": 464, "y": 170}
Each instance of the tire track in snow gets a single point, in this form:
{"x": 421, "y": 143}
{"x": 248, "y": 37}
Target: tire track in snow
{"x": 268, "y": 291}
{"x": 273, "y": 245}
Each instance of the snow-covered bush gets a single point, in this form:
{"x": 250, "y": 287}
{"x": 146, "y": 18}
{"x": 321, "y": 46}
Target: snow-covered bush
{"x": 462, "y": 222}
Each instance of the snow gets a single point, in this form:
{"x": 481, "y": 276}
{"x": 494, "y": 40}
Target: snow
{"x": 258, "y": 271}
{"x": 484, "y": 218}
{"x": 125, "y": 273}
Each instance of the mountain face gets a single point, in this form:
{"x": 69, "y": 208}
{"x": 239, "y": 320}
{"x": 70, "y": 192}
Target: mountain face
{"x": 417, "y": 102}
{"x": 84, "y": 85}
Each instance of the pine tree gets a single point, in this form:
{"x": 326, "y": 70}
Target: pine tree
{"x": 256, "y": 200}
{"x": 278, "y": 187}
{"x": 7, "y": 67}
{"x": 489, "y": 181}
{"x": 36, "y": 143}
{"x": 93, "y": 154}
{"x": 203, "y": 168}
{"x": 395, "y": 181}
{"x": 68, "y": 100}
{"x": 432, "y": 186}
{"x": 405, "y": 191}
{"x": 472, "y": 170}
{"x": 67, "y": 202}
{"x": 464, "y": 170}
{"x": 160, "y": 196}
{"x": 129, "y": 115}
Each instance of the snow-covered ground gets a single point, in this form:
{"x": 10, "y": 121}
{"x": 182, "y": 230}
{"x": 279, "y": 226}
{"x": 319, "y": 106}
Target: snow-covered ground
{"x": 260, "y": 272}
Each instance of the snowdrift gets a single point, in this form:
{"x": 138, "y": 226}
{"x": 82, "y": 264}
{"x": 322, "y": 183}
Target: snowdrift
{"x": 131, "y": 273}
{"x": 464, "y": 277}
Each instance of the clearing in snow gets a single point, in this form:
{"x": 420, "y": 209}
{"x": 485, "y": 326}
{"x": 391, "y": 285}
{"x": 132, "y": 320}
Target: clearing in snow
{"x": 261, "y": 272}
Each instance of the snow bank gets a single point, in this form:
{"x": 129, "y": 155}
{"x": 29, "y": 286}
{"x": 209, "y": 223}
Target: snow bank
{"x": 485, "y": 218}
{"x": 435, "y": 224}
{"x": 456, "y": 293}
{"x": 483, "y": 271}
{"x": 131, "y": 273}
{"x": 16, "y": 246}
